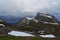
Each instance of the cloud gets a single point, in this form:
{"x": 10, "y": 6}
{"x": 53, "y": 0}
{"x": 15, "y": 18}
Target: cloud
{"x": 16, "y": 7}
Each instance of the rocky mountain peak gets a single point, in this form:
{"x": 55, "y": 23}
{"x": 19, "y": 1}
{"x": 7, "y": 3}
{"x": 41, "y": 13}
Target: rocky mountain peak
{"x": 46, "y": 18}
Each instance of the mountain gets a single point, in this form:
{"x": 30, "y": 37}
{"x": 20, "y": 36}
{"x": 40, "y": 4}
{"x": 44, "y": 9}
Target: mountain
{"x": 41, "y": 22}
{"x": 40, "y": 18}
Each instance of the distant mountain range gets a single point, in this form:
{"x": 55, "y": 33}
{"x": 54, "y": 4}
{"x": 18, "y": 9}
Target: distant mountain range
{"x": 12, "y": 19}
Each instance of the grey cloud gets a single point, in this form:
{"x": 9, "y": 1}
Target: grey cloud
{"x": 20, "y": 7}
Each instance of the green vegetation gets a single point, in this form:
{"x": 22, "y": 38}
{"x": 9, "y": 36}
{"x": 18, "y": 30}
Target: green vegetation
{"x": 25, "y": 38}
{"x": 19, "y": 38}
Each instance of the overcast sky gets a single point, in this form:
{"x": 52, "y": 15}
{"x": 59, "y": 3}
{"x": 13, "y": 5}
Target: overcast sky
{"x": 18, "y": 7}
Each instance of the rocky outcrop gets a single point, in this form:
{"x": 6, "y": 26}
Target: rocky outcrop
{"x": 4, "y": 28}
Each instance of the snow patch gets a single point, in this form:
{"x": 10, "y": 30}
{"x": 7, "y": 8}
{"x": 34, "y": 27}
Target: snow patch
{"x": 46, "y": 15}
{"x": 2, "y": 25}
{"x": 51, "y": 23}
{"x": 49, "y": 16}
{"x": 18, "y": 33}
{"x": 29, "y": 18}
{"x": 54, "y": 23}
{"x": 48, "y": 36}
{"x": 45, "y": 22}
{"x": 35, "y": 20}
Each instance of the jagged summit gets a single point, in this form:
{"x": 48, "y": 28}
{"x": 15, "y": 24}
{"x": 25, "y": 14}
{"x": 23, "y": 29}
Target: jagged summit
{"x": 44, "y": 15}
